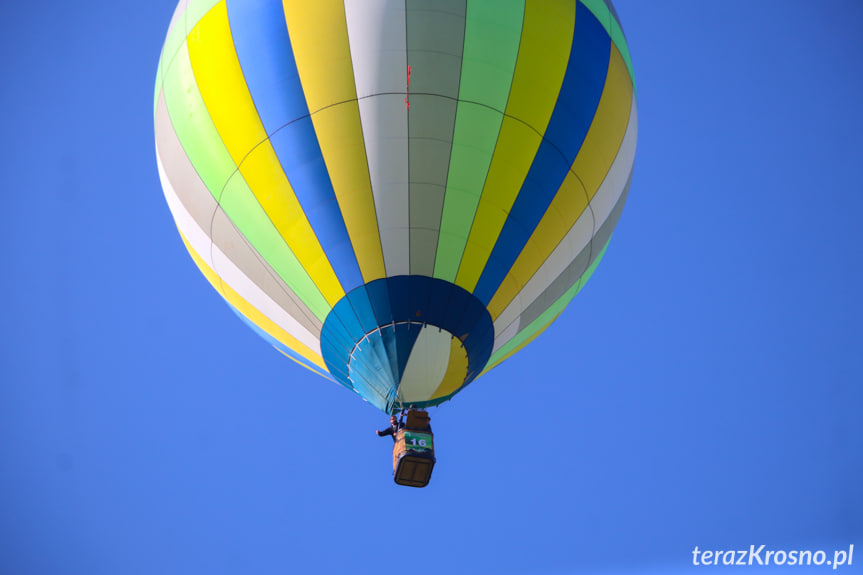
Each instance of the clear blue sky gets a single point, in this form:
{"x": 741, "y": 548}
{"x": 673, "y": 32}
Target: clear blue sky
{"x": 705, "y": 388}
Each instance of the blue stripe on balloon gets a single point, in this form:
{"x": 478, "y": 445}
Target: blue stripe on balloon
{"x": 380, "y": 300}
{"x": 579, "y": 98}
{"x": 388, "y": 338}
{"x": 338, "y": 370}
{"x": 351, "y": 323}
{"x": 362, "y": 308}
{"x": 573, "y": 114}
{"x": 369, "y": 378}
{"x": 264, "y": 50}
{"x": 453, "y": 307}
{"x": 339, "y": 337}
{"x": 370, "y": 359}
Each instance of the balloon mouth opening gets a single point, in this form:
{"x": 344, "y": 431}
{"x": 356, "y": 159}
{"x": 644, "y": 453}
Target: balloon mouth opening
{"x": 407, "y": 340}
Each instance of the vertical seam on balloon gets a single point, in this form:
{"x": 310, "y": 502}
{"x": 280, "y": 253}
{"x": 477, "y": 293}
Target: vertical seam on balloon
{"x": 497, "y": 140}
{"x": 408, "y": 158}
{"x": 451, "y": 140}
{"x": 408, "y": 126}
{"x": 408, "y": 167}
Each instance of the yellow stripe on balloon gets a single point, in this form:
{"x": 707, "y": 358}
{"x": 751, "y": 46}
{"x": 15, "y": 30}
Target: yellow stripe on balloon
{"x": 542, "y": 59}
{"x": 226, "y": 96}
{"x": 455, "y": 373}
{"x": 603, "y": 140}
{"x": 319, "y": 38}
{"x": 594, "y": 160}
{"x": 252, "y": 313}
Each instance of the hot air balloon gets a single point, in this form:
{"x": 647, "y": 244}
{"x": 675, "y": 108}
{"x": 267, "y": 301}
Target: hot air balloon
{"x": 396, "y": 194}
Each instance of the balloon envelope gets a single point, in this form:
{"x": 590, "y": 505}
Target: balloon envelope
{"x": 398, "y": 195}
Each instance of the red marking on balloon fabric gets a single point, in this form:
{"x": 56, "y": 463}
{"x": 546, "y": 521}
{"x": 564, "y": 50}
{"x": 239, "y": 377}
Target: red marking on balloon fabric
{"x": 408, "y": 91}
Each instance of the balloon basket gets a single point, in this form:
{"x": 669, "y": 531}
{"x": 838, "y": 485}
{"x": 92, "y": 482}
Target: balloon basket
{"x": 413, "y": 452}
